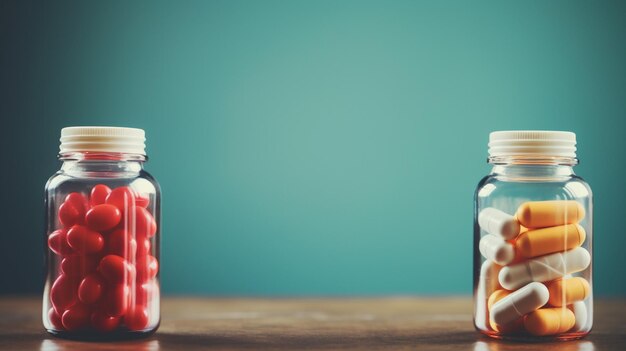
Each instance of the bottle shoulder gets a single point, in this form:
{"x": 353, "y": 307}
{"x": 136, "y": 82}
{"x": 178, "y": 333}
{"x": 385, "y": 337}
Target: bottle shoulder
{"x": 63, "y": 181}
{"x": 570, "y": 187}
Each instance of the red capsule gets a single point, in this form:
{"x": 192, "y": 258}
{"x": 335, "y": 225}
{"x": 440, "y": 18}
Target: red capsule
{"x": 63, "y": 293}
{"x": 147, "y": 268}
{"x": 142, "y": 200}
{"x": 103, "y": 322}
{"x": 84, "y": 240}
{"x": 123, "y": 198}
{"x": 57, "y": 242}
{"x": 143, "y": 247}
{"x": 116, "y": 270}
{"x": 121, "y": 244}
{"x": 90, "y": 289}
{"x": 144, "y": 293}
{"x": 78, "y": 266}
{"x": 73, "y": 210}
{"x": 55, "y": 319}
{"x": 117, "y": 300}
{"x": 103, "y": 217}
{"x": 99, "y": 194}
{"x": 145, "y": 225}
{"x": 69, "y": 215}
{"x": 76, "y": 317}
{"x": 136, "y": 318}
{"x": 78, "y": 200}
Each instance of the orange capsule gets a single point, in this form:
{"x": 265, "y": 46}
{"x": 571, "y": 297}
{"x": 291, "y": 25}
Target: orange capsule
{"x": 540, "y": 214}
{"x": 549, "y": 321}
{"x": 567, "y": 291}
{"x": 539, "y": 242}
{"x": 497, "y": 296}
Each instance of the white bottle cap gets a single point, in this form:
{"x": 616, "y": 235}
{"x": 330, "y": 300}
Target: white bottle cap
{"x": 103, "y": 139}
{"x": 532, "y": 143}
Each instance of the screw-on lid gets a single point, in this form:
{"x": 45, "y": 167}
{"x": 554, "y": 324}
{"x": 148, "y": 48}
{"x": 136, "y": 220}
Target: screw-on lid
{"x": 103, "y": 139}
{"x": 532, "y": 143}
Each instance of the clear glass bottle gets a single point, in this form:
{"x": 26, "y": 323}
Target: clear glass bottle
{"x": 533, "y": 240}
{"x": 102, "y": 237}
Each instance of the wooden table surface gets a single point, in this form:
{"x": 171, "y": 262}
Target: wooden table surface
{"x": 312, "y": 323}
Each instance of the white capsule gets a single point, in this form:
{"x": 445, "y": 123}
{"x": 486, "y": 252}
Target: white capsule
{"x": 518, "y": 303}
{"x": 544, "y": 268}
{"x": 580, "y": 312}
{"x": 487, "y": 284}
{"x": 496, "y": 222}
{"x": 496, "y": 249}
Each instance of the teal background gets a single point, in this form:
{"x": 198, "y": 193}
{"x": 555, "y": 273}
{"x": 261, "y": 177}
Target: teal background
{"x": 312, "y": 147}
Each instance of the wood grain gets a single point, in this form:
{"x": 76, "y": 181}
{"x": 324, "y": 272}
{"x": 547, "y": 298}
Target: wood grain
{"x": 316, "y": 323}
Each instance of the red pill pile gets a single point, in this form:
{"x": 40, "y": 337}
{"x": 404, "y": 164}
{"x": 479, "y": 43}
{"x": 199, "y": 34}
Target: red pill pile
{"x": 106, "y": 275}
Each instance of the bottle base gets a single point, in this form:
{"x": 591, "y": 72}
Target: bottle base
{"x": 523, "y": 337}
{"x": 98, "y": 336}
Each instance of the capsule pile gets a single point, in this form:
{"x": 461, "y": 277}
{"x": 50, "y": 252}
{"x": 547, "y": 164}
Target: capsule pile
{"x": 528, "y": 283}
{"x": 106, "y": 276}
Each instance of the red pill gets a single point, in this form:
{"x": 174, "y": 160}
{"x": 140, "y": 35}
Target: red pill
{"x": 116, "y": 270}
{"x": 63, "y": 293}
{"x": 103, "y": 322}
{"x": 142, "y": 200}
{"x": 143, "y": 246}
{"x": 117, "y": 300}
{"x": 147, "y": 268}
{"x": 121, "y": 244}
{"x": 90, "y": 289}
{"x": 72, "y": 211}
{"x": 145, "y": 225}
{"x": 57, "y": 242}
{"x": 84, "y": 240}
{"x": 55, "y": 319}
{"x": 122, "y": 198}
{"x": 136, "y": 318}
{"x": 78, "y": 200}
{"x": 99, "y": 194}
{"x": 69, "y": 215}
{"x": 76, "y": 317}
{"x": 144, "y": 292}
{"x": 78, "y": 266}
{"x": 103, "y": 217}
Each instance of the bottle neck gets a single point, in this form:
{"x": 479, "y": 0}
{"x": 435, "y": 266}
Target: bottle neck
{"x": 528, "y": 169}
{"x": 101, "y": 164}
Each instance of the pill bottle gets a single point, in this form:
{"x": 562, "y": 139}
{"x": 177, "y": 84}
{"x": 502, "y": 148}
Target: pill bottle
{"x": 533, "y": 240}
{"x": 102, "y": 230}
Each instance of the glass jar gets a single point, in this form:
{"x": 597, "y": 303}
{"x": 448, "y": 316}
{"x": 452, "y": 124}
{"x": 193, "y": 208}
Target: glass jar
{"x": 533, "y": 240}
{"x": 102, "y": 237}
